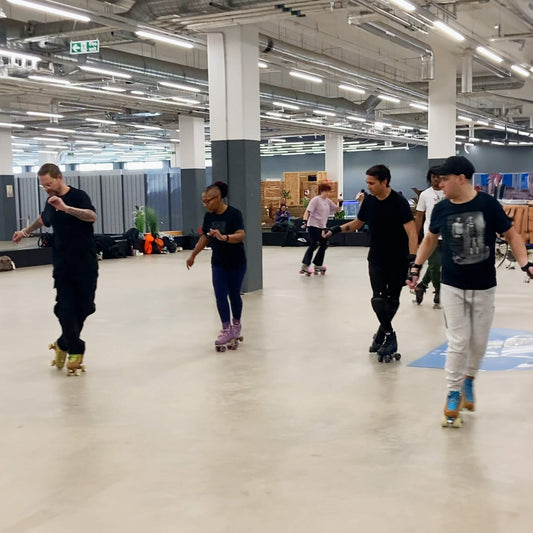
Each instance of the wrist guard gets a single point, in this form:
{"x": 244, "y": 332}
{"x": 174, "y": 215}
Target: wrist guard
{"x": 411, "y": 258}
{"x": 335, "y": 229}
{"x": 526, "y": 268}
{"x": 414, "y": 271}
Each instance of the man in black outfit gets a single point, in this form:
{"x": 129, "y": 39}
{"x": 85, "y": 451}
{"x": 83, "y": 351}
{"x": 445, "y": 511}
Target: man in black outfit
{"x": 393, "y": 244}
{"x": 71, "y": 214}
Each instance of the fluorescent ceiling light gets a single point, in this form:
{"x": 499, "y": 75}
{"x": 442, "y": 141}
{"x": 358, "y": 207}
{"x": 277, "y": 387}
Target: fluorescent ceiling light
{"x": 20, "y": 144}
{"x": 175, "y": 140}
{"x": 520, "y": 71}
{"x": 323, "y": 113}
{"x": 100, "y": 121}
{"x": 482, "y": 122}
{"x": 114, "y": 89}
{"x": 180, "y": 86}
{"x": 488, "y": 54}
{"x": 462, "y": 117}
{"x": 420, "y": 106}
{"x": 107, "y": 72}
{"x": 395, "y": 148}
{"x": 40, "y": 114}
{"x": 474, "y": 139}
{"x": 314, "y": 120}
{"x": 355, "y": 119}
{"x": 140, "y": 93}
{"x": 185, "y": 100}
{"x": 512, "y": 130}
{"x": 460, "y": 137}
{"x": 524, "y": 133}
{"x": 86, "y": 142}
{"x": 101, "y": 134}
{"x": 50, "y": 10}
{"x": 164, "y": 38}
{"x": 274, "y": 114}
{"x": 403, "y": 4}
{"x": 288, "y": 106}
{"x": 143, "y": 127}
{"x": 382, "y": 125}
{"x": 498, "y": 127}
{"x": 49, "y": 79}
{"x": 304, "y": 76}
{"x": 389, "y": 98}
{"x": 8, "y": 125}
{"x": 262, "y": 64}
{"x": 61, "y": 130}
{"x": 277, "y": 140}
{"x": 145, "y": 137}
{"x": 498, "y": 143}
{"x": 351, "y": 89}
{"x": 423, "y": 130}
{"x": 444, "y": 28}
{"x": 125, "y": 145}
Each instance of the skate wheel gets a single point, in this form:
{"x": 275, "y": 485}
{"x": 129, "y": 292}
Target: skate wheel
{"x": 53, "y": 362}
{"x": 241, "y": 339}
{"x": 449, "y": 422}
{"x": 397, "y": 356}
{"x": 380, "y": 359}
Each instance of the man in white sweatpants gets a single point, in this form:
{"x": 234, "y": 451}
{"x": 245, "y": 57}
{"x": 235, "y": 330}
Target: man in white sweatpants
{"x": 468, "y": 274}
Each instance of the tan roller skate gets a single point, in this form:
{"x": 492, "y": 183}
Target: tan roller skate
{"x": 74, "y": 365}
{"x": 452, "y": 417}
{"x": 59, "y": 360}
{"x": 468, "y": 394}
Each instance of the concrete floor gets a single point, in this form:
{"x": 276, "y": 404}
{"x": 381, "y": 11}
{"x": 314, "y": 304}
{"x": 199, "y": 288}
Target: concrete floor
{"x": 300, "y": 430}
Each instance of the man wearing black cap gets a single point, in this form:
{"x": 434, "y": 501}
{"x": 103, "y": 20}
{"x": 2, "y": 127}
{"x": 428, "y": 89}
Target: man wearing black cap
{"x": 468, "y": 222}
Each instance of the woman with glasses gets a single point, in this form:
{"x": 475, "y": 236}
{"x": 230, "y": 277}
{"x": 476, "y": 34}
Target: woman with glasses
{"x": 223, "y": 231}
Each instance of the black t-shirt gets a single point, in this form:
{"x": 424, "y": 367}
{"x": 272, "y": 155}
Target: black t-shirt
{"x": 73, "y": 248}
{"x": 468, "y": 240}
{"x": 386, "y": 219}
{"x": 225, "y": 255}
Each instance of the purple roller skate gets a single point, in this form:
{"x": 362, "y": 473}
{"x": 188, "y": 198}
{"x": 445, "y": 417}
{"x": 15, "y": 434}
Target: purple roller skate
{"x": 225, "y": 337}
{"x": 236, "y": 335}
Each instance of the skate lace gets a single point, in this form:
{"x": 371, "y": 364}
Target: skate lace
{"x": 453, "y": 400}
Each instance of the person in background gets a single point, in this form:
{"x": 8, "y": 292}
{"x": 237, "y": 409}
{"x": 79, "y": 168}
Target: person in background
{"x": 468, "y": 276}
{"x": 426, "y": 202}
{"x": 315, "y": 219}
{"x": 71, "y": 214}
{"x": 223, "y": 231}
{"x": 283, "y": 216}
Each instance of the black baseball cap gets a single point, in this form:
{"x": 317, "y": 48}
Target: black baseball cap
{"x": 456, "y": 164}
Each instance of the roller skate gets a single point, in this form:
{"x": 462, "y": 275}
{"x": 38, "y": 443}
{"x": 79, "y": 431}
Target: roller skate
{"x": 304, "y": 269}
{"x": 320, "y": 269}
{"x": 452, "y": 418}
{"x": 468, "y": 394}
{"x": 74, "y": 365}
{"x": 377, "y": 340}
{"x": 420, "y": 290}
{"x": 436, "y": 301}
{"x": 389, "y": 349}
{"x": 224, "y": 338}
{"x": 236, "y": 335}
{"x": 61, "y": 356}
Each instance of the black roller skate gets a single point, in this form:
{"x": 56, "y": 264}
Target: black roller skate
{"x": 389, "y": 349}
{"x": 377, "y": 340}
{"x": 452, "y": 418}
{"x": 436, "y": 301}
{"x": 420, "y": 290}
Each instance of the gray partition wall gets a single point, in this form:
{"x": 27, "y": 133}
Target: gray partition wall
{"x": 115, "y": 195}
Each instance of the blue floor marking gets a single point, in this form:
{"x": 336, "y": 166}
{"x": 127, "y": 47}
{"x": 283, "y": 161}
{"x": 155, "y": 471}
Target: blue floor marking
{"x": 508, "y": 349}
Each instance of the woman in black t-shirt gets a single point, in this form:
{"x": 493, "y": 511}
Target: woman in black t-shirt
{"x": 223, "y": 231}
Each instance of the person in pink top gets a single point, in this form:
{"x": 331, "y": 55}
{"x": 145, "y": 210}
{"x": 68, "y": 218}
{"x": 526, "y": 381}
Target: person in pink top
{"x": 315, "y": 218}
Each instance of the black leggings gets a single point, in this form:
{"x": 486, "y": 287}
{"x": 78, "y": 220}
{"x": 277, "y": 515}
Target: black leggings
{"x": 387, "y": 282}
{"x": 315, "y": 234}
{"x": 74, "y": 303}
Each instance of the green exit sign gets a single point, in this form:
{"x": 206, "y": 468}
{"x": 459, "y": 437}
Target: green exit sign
{"x": 85, "y": 47}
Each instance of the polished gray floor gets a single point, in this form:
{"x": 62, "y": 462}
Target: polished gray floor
{"x": 297, "y": 431}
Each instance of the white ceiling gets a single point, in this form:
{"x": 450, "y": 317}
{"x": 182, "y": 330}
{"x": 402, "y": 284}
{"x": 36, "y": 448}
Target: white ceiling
{"x": 371, "y": 44}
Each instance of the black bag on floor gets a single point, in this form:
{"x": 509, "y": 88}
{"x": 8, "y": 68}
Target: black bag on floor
{"x": 170, "y": 245}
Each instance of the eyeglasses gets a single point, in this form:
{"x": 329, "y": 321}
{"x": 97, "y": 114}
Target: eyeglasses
{"x": 205, "y": 201}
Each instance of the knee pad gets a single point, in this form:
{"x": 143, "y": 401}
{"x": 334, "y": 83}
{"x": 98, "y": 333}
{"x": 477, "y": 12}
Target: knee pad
{"x": 378, "y": 304}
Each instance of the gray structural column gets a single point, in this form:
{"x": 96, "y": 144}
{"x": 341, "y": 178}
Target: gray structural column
{"x": 235, "y": 132}
{"x": 192, "y": 156}
{"x": 8, "y": 212}
{"x": 442, "y": 107}
{"x": 334, "y": 160}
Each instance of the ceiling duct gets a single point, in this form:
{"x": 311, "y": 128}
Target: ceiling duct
{"x": 394, "y": 36}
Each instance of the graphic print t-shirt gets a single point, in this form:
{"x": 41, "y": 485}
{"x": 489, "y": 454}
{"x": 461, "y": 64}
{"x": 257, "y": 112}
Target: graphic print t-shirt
{"x": 468, "y": 239}
{"x": 225, "y": 255}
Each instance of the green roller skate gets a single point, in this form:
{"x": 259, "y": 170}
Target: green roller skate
{"x": 61, "y": 356}
{"x": 74, "y": 365}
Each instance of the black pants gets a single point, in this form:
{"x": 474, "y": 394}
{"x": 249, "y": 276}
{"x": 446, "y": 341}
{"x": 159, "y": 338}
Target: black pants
{"x": 315, "y": 235}
{"x": 387, "y": 281}
{"x": 74, "y": 303}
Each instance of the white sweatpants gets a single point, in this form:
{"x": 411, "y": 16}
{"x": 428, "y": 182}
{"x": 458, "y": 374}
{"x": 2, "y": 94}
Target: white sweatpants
{"x": 468, "y": 318}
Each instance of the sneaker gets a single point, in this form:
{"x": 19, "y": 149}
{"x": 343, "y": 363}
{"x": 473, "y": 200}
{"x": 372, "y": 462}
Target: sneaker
{"x": 301, "y": 239}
